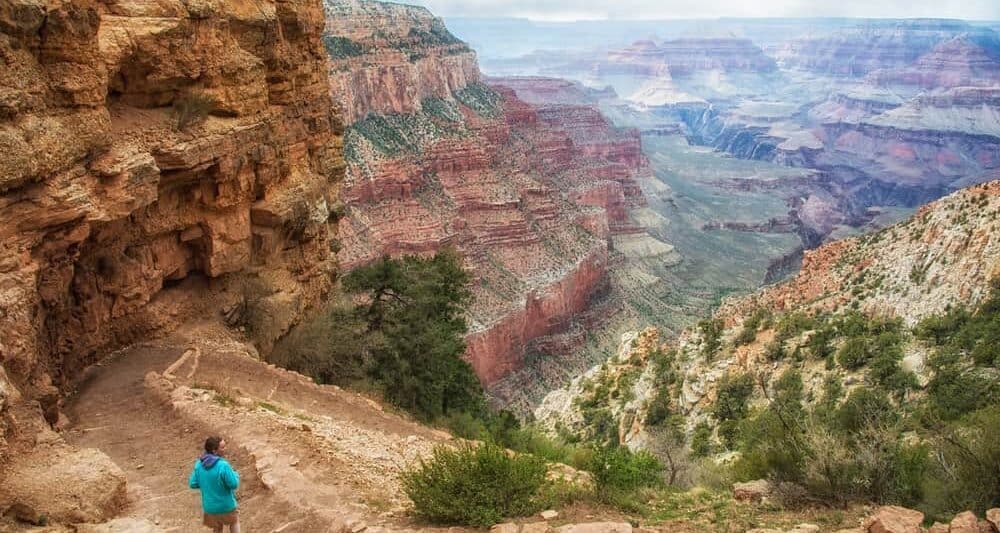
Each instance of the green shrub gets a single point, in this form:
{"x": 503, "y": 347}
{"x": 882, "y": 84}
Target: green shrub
{"x": 865, "y": 407}
{"x": 660, "y": 407}
{"x": 616, "y": 469}
{"x": 956, "y": 389}
{"x": 711, "y": 332}
{"x": 190, "y": 108}
{"x": 480, "y": 98}
{"x": 967, "y": 469}
{"x": 853, "y": 354}
{"x": 751, "y": 326}
{"x": 775, "y": 350}
{"x": 701, "y": 440}
{"x": 771, "y": 442}
{"x": 477, "y": 486}
{"x": 795, "y": 323}
{"x": 733, "y": 393}
{"x": 820, "y": 342}
{"x": 342, "y": 47}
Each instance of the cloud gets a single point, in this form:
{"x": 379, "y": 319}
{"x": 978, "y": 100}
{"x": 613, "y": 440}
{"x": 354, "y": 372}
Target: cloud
{"x": 675, "y": 9}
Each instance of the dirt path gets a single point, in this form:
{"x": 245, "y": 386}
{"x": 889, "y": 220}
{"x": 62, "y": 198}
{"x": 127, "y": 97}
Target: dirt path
{"x": 311, "y": 458}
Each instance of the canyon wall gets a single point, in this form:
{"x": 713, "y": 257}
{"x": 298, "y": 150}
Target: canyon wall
{"x": 163, "y": 160}
{"x": 875, "y": 45}
{"x": 528, "y": 194}
{"x": 387, "y": 58}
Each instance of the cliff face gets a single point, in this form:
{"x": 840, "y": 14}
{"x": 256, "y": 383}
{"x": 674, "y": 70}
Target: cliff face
{"x": 528, "y": 194}
{"x": 682, "y": 57}
{"x": 388, "y": 58}
{"x": 945, "y": 255}
{"x": 156, "y": 153}
{"x": 958, "y": 62}
{"x": 689, "y": 55}
{"x": 859, "y": 51}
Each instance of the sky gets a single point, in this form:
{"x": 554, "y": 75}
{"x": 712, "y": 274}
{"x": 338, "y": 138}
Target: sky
{"x": 567, "y": 10}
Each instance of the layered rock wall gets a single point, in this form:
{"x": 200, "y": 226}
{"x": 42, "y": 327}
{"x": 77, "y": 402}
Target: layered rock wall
{"x": 875, "y": 45}
{"x": 155, "y": 154}
{"x": 451, "y": 161}
{"x": 388, "y": 58}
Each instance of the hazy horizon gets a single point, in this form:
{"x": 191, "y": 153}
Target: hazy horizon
{"x": 652, "y": 10}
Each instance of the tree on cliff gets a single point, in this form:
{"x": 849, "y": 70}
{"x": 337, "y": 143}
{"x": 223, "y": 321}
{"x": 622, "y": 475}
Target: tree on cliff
{"x": 414, "y": 314}
{"x": 402, "y": 332}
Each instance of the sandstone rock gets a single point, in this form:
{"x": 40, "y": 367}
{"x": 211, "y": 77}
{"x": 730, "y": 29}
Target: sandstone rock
{"x": 964, "y": 523}
{"x": 993, "y": 517}
{"x": 752, "y": 491}
{"x": 894, "y": 519}
{"x": 938, "y": 527}
{"x": 536, "y": 527}
{"x": 596, "y": 527}
{"x": 549, "y": 514}
{"x": 506, "y": 527}
{"x": 804, "y": 528}
{"x": 64, "y": 485}
{"x": 109, "y": 213}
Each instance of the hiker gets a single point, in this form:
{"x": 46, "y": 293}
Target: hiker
{"x": 218, "y": 482}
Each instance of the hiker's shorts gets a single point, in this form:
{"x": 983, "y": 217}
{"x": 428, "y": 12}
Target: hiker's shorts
{"x": 222, "y": 519}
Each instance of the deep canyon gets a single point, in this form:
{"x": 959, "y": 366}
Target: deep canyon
{"x": 179, "y": 161}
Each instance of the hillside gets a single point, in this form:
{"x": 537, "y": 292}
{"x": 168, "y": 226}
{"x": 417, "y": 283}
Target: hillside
{"x": 945, "y": 256}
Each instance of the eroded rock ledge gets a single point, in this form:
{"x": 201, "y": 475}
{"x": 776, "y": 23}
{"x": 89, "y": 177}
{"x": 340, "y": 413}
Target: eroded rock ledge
{"x": 120, "y": 217}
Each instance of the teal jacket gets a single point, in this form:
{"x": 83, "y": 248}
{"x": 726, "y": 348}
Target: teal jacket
{"x": 217, "y": 481}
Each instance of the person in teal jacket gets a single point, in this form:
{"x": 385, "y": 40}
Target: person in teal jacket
{"x": 218, "y": 483}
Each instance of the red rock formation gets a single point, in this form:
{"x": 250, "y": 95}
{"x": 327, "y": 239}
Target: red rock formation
{"x": 931, "y": 140}
{"x": 538, "y": 90}
{"x": 682, "y": 57}
{"x": 153, "y": 152}
{"x": 387, "y": 58}
{"x": 513, "y": 186}
{"x": 498, "y": 348}
{"x": 859, "y": 51}
{"x": 690, "y": 55}
{"x": 955, "y": 63}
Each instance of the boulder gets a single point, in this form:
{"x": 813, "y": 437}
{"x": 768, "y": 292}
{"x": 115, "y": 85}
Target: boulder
{"x": 938, "y": 527}
{"x": 63, "y": 484}
{"x": 549, "y": 514}
{"x": 964, "y": 523}
{"x": 506, "y": 527}
{"x": 752, "y": 491}
{"x": 993, "y": 517}
{"x": 894, "y": 519}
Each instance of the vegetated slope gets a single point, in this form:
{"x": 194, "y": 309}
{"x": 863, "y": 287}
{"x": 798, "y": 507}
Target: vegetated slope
{"x": 161, "y": 159}
{"x": 942, "y": 258}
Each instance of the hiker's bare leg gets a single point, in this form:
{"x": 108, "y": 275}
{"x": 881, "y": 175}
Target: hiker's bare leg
{"x": 217, "y": 529}
{"x": 234, "y": 528}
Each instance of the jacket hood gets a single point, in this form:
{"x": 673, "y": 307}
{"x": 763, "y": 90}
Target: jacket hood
{"x": 208, "y": 460}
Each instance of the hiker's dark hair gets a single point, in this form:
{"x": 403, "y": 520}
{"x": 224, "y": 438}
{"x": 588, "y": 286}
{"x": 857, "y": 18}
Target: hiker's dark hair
{"x": 212, "y": 444}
